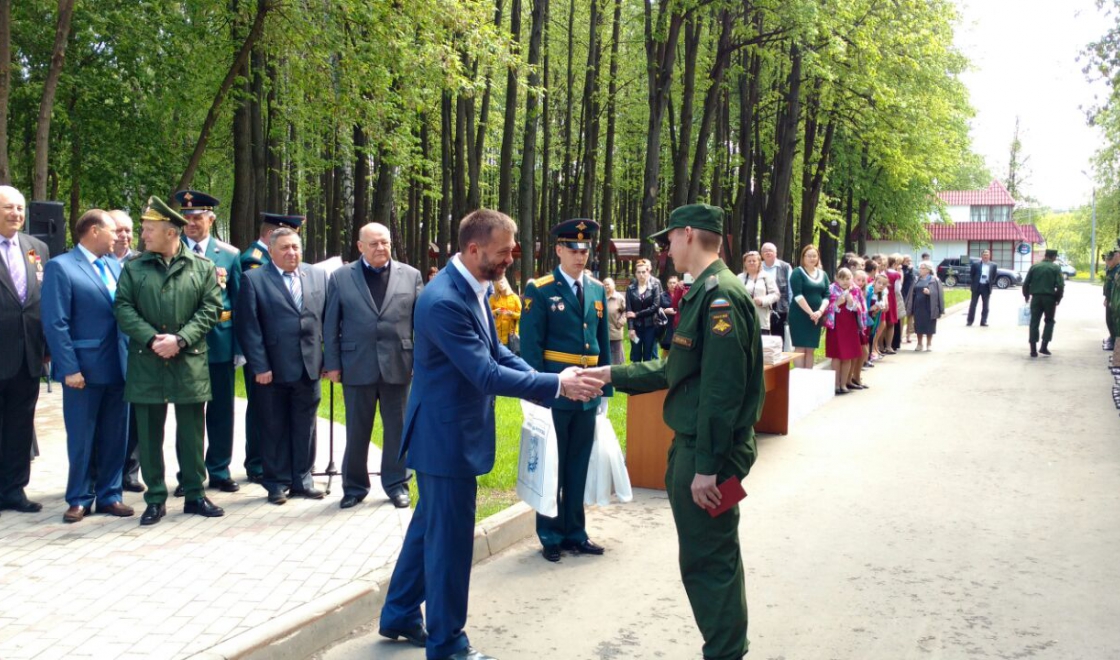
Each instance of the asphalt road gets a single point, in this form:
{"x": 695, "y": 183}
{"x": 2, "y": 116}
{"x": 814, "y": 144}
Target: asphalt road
{"x": 967, "y": 506}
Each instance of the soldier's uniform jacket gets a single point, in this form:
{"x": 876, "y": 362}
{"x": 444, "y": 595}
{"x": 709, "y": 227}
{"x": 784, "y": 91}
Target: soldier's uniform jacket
{"x": 255, "y": 256}
{"x": 714, "y": 374}
{"x": 557, "y": 334}
{"x": 179, "y": 297}
{"x": 1045, "y": 278}
{"x": 221, "y": 340}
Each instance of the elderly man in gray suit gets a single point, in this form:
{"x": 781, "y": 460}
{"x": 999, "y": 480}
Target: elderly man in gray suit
{"x": 367, "y": 341}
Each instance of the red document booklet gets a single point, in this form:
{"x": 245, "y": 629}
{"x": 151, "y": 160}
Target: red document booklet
{"x": 731, "y": 492}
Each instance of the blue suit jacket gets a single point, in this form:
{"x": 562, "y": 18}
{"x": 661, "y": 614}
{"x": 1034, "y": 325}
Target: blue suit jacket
{"x": 273, "y": 333}
{"x": 459, "y": 366}
{"x": 78, "y": 321}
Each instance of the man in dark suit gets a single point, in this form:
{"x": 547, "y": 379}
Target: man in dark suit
{"x": 983, "y": 275}
{"x": 279, "y": 324}
{"x": 21, "y": 362}
{"x": 88, "y": 356}
{"x": 124, "y": 252}
{"x": 367, "y": 340}
{"x": 459, "y": 367}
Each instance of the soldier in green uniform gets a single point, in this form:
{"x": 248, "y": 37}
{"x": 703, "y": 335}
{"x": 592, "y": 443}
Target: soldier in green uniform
{"x": 255, "y": 256}
{"x": 1043, "y": 288}
{"x": 167, "y": 300}
{"x": 564, "y": 323}
{"x": 1112, "y": 268}
{"x": 714, "y": 374}
{"x": 224, "y": 353}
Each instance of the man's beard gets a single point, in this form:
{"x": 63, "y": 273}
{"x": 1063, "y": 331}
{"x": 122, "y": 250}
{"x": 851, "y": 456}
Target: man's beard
{"x": 490, "y": 270}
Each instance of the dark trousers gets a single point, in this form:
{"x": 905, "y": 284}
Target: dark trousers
{"x": 778, "y": 324}
{"x": 189, "y": 430}
{"x": 981, "y": 294}
{"x": 1110, "y": 320}
{"x": 710, "y": 560}
{"x": 361, "y": 406}
{"x": 18, "y": 396}
{"x": 896, "y": 340}
{"x": 434, "y": 566}
{"x": 132, "y": 451}
{"x": 96, "y": 419}
{"x": 575, "y": 435}
{"x": 287, "y": 412}
{"x": 646, "y": 348}
{"x": 1042, "y": 305}
{"x": 253, "y": 466}
{"x": 219, "y": 421}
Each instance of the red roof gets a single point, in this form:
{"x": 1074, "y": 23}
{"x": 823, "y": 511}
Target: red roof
{"x": 1031, "y": 235}
{"x": 995, "y": 195}
{"x": 976, "y": 231}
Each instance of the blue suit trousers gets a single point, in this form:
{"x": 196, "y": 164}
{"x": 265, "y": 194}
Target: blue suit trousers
{"x": 435, "y": 564}
{"x": 96, "y": 419}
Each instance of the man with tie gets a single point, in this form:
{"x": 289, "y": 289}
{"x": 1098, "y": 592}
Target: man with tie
{"x": 255, "y": 256}
{"x": 983, "y": 274}
{"x": 564, "y": 323}
{"x": 222, "y": 350}
{"x": 367, "y": 340}
{"x": 88, "y": 355}
{"x": 22, "y": 258}
{"x": 167, "y": 300}
{"x": 123, "y": 251}
{"x": 459, "y": 367}
{"x": 279, "y": 323}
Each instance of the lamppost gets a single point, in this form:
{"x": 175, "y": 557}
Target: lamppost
{"x": 1093, "y": 236}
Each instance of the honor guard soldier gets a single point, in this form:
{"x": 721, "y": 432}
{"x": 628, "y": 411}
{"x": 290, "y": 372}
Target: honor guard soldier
{"x": 715, "y": 380}
{"x": 564, "y": 323}
{"x": 1043, "y": 288}
{"x": 255, "y": 256}
{"x": 167, "y": 300}
{"x": 197, "y": 209}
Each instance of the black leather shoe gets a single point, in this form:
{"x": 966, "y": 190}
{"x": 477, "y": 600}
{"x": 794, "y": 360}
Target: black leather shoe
{"x": 153, "y": 514}
{"x": 400, "y": 499}
{"x": 224, "y": 485}
{"x": 178, "y": 491}
{"x": 1045, "y": 350}
{"x": 551, "y": 552}
{"x": 203, "y": 507}
{"x": 349, "y": 501}
{"x": 133, "y": 486}
{"x": 468, "y": 653}
{"x": 277, "y": 496}
{"x": 417, "y": 636}
{"x": 256, "y": 478}
{"x": 23, "y": 506}
{"x": 585, "y": 548}
{"x": 309, "y": 493}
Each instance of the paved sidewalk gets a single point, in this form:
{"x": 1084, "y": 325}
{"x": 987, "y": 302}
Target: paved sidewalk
{"x": 107, "y": 588}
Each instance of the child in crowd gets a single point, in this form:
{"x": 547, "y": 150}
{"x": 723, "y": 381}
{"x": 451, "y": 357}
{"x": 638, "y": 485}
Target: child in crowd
{"x": 876, "y": 303}
{"x": 843, "y": 320}
{"x": 860, "y": 284}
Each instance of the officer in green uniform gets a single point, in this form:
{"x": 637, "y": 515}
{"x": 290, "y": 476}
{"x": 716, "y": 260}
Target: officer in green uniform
{"x": 1112, "y": 269}
{"x": 1043, "y": 288}
{"x": 564, "y": 323}
{"x": 224, "y": 353}
{"x": 714, "y": 374}
{"x": 167, "y": 300}
{"x": 255, "y": 256}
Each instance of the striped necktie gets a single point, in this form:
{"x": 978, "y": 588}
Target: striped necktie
{"x": 295, "y": 287}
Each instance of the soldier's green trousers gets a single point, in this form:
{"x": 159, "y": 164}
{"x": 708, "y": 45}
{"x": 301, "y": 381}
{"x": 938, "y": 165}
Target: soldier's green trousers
{"x": 1042, "y": 304}
{"x": 575, "y": 436}
{"x": 189, "y": 424}
{"x": 710, "y": 560}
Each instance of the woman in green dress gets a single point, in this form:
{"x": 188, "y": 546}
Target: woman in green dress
{"x": 809, "y": 286}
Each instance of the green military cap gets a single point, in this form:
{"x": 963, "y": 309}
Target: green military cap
{"x": 576, "y": 233}
{"x": 697, "y": 216}
{"x": 158, "y": 211}
{"x": 1051, "y": 254}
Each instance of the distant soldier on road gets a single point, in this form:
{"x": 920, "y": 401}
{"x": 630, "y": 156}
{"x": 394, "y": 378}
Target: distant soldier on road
{"x": 1043, "y": 289}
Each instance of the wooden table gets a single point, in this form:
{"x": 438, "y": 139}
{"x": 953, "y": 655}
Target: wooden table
{"x": 648, "y": 438}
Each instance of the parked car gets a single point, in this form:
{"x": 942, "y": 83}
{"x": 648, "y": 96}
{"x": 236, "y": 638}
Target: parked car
{"x": 953, "y": 273}
{"x": 1067, "y": 270}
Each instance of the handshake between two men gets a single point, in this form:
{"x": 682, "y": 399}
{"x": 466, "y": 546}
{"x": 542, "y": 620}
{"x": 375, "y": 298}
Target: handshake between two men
{"x": 583, "y": 384}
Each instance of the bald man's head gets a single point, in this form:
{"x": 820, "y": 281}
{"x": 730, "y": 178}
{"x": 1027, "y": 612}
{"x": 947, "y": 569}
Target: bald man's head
{"x": 375, "y": 244}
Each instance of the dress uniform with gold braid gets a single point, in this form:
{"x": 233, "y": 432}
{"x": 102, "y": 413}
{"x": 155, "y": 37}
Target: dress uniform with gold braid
{"x": 558, "y": 332}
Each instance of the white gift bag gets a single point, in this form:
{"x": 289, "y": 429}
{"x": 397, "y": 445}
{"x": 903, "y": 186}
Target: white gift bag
{"x": 1025, "y": 315}
{"x": 606, "y": 471}
{"x": 537, "y": 480}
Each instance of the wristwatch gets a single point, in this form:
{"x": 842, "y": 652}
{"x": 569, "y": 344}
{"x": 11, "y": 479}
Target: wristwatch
{"x": 182, "y": 342}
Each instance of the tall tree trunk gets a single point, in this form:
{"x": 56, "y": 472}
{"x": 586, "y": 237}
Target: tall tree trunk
{"x": 447, "y": 163}
{"x": 547, "y": 191}
{"x": 459, "y": 194}
{"x": 361, "y": 190}
{"x": 567, "y": 168}
{"x": 479, "y": 143}
{"x": 425, "y": 232}
{"x": 293, "y": 201}
{"x": 383, "y": 198}
{"x": 606, "y": 233}
{"x": 274, "y": 198}
{"x": 242, "y": 219}
{"x": 776, "y": 218}
{"x": 591, "y": 110}
{"x": 46, "y": 104}
{"x": 712, "y": 100}
{"x": 748, "y": 101}
{"x": 75, "y": 175}
{"x": 718, "y": 167}
{"x": 529, "y": 147}
{"x": 509, "y": 127}
{"x": 692, "y": 31}
{"x": 5, "y": 86}
{"x": 260, "y": 147}
{"x": 806, "y": 226}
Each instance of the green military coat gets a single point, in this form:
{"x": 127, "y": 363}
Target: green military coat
{"x": 180, "y": 297}
{"x": 221, "y": 341}
{"x": 1112, "y": 296}
{"x": 1045, "y": 278}
{"x": 557, "y": 334}
{"x": 713, "y": 373}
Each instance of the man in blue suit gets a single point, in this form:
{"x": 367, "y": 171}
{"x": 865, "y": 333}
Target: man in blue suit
{"x": 459, "y": 366}
{"x": 88, "y": 355}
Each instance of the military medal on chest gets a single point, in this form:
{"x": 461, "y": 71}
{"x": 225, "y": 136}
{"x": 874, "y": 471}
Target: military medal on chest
{"x": 557, "y": 303}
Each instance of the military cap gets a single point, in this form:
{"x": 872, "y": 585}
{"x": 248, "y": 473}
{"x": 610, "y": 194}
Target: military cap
{"x": 157, "y": 210}
{"x": 291, "y": 221}
{"x": 192, "y": 201}
{"x": 1051, "y": 254}
{"x": 576, "y": 233}
{"x": 697, "y": 216}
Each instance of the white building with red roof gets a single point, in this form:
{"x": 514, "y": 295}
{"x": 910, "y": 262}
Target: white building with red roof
{"x": 978, "y": 220}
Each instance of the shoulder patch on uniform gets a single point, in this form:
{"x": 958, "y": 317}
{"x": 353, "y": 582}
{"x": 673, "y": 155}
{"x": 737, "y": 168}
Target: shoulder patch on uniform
{"x": 720, "y": 303}
{"x": 721, "y": 324}
{"x": 257, "y": 254}
{"x": 681, "y": 340}
{"x": 528, "y": 303}
{"x": 541, "y": 281}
